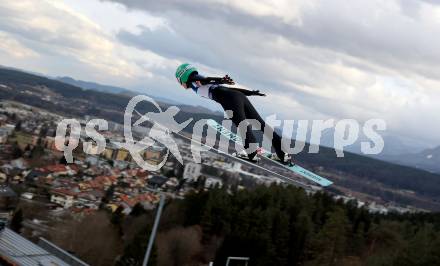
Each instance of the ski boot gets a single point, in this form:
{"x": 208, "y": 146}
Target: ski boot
{"x": 287, "y": 160}
{"x": 242, "y": 154}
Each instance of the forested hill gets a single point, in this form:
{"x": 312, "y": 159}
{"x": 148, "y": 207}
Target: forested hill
{"x": 389, "y": 174}
{"x": 283, "y": 226}
{"x": 383, "y": 180}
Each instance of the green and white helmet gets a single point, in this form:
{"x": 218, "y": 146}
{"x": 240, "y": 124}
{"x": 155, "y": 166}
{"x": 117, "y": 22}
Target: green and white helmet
{"x": 183, "y": 72}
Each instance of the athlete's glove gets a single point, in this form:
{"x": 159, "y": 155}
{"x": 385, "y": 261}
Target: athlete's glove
{"x": 227, "y": 80}
{"x": 249, "y": 92}
{"x": 257, "y": 93}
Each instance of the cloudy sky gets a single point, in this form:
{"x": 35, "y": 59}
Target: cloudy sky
{"x": 315, "y": 59}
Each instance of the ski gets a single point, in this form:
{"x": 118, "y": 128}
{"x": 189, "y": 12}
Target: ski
{"x": 247, "y": 162}
{"x": 298, "y": 170}
{"x": 293, "y": 167}
{"x": 238, "y": 159}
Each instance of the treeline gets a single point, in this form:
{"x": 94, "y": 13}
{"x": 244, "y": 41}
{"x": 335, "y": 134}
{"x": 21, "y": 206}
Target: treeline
{"x": 392, "y": 175}
{"x": 284, "y": 226}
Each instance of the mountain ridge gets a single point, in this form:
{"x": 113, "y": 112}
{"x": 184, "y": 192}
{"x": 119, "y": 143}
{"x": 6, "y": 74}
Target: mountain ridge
{"x": 90, "y": 85}
{"x": 428, "y": 159}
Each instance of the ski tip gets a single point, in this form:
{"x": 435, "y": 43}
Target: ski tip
{"x": 327, "y": 183}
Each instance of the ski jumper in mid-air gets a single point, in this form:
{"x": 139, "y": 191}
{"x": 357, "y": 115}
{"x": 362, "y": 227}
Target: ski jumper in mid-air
{"x": 231, "y": 99}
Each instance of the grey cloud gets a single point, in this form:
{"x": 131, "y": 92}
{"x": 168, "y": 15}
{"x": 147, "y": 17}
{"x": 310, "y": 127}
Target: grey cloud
{"x": 233, "y": 51}
{"x": 215, "y": 54}
{"x": 16, "y": 24}
{"x": 389, "y": 39}
{"x": 165, "y": 43}
{"x": 433, "y": 2}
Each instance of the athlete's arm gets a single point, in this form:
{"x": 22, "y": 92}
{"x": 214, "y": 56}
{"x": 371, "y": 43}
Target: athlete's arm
{"x": 211, "y": 80}
{"x": 248, "y": 92}
{"x": 195, "y": 77}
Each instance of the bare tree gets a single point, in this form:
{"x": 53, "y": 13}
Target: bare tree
{"x": 93, "y": 238}
{"x": 179, "y": 246}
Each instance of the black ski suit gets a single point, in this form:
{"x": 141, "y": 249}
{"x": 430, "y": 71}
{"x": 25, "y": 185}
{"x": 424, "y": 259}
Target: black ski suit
{"x": 235, "y": 99}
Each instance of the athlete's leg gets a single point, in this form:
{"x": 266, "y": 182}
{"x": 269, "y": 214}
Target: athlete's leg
{"x": 239, "y": 115}
{"x": 235, "y": 102}
{"x": 251, "y": 113}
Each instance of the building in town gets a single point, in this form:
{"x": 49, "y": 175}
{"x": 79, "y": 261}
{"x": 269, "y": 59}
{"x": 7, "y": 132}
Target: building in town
{"x": 62, "y": 197}
{"x": 157, "y": 181}
{"x": 192, "y": 171}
